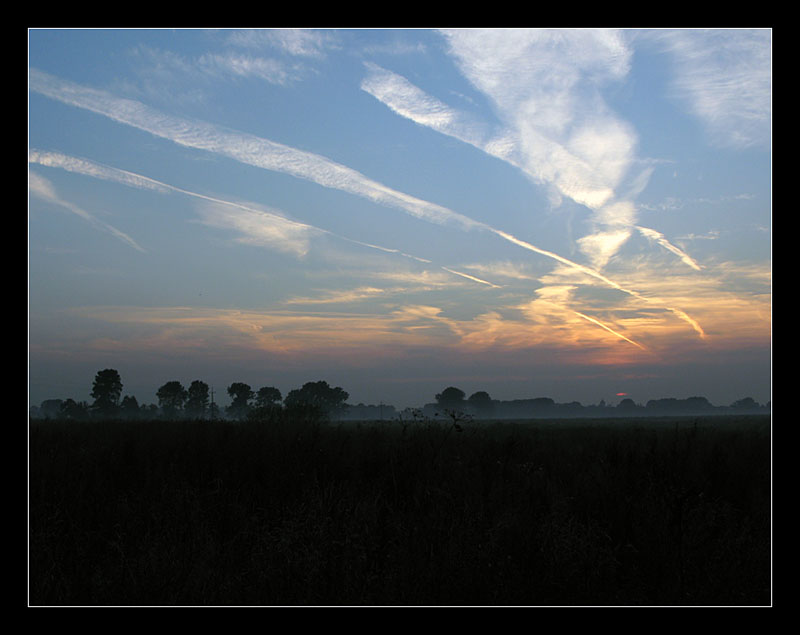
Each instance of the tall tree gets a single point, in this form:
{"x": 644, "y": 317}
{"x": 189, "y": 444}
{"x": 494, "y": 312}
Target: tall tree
{"x": 241, "y": 394}
{"x": 171, "y": 397}
{"x": 197, "y": 400}
{"x": 106, "y": 391}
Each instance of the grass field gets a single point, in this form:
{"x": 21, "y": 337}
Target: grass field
{"x": 573, "y": 512}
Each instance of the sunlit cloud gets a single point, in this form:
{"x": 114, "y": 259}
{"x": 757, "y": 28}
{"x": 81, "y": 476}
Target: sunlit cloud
{"x": 600, "y": 247}
{"x": 561, "y": 319}
{"x": 341, "y": 297}
{"x": 259, "y": 228}
{"x": 425, "y": 279}
{"x": 300, "y": 332}
{"x": 505, "y": 269}
{"x": 734, "y": 300}
{"x": 608, "y": 328}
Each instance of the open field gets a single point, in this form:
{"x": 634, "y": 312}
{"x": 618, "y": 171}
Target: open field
{"x": 574, "y": 512}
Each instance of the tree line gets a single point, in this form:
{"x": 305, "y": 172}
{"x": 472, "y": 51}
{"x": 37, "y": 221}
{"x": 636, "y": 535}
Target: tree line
{"x": 196, "y": 401}
{"x": 481, "y": 405}
{"x": 318, "y": 399}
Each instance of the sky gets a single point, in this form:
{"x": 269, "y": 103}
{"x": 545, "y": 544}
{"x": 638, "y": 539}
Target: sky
{"x": 574, "y": 214}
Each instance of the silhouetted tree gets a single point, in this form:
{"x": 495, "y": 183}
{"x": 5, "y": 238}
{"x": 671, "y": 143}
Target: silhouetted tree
{"x": 148, "y": 411}
{"x": 267, "y": 405}
{"x": 50, "y": 408}
{"x": 106, "y": 391}
{"x": 267, "y": 396}
{"x": 481, "y": 402}
{"x": 241, "y": 394}
{"x": 129, "y": 408}
{"x": 748, "y": 403}
{"x": 317, "y": 395}
{"x": 70, "y": 409}
{"x": 451, "y": 398}
{"x": 171, "y": 397}
{"x": 196, "y": 400}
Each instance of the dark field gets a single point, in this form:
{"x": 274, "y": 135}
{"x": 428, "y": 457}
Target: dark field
{"x": 648, "y": 512}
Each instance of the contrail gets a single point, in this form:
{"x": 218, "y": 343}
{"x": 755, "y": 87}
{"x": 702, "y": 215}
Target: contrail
{"x": 408, "y": 101}
{"x": 245, "y": 148}
{"x": 591, "y": 272}
{"x": 610, "y": 330}
{"x": 40, "y": 187}
{"x": 269, "y": 155}
{"x": 131, "y": 179}
{"x": 473, "y": 278}
{"x": 658, "y": 237}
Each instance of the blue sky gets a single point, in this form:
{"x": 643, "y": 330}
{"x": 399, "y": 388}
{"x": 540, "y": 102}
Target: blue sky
{"x": 562, "y": 213}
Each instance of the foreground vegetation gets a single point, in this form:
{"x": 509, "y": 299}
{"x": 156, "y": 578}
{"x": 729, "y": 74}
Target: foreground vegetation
{"x": 288, "y": 512}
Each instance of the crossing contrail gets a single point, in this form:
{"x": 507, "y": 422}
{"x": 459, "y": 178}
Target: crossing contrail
{"x": 270, "y": 155}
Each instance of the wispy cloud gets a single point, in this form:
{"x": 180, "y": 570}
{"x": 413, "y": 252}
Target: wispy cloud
{"x": 341, "y": 297}
{"x": 262, "y": 227}
{"x": 237, "y": 65}
{"x": 255, "y": 224}
{"x": 96, "y": 170}
{"x": 555, "y": 126}
{"x": 725, "y": 79}
{"x": 269, "y": 155}
{"x": 553, "y": 123}
{"x": 544, "y": 85}
{"x": 242, "y": 147}
{"x": 505, "y": 269}
{"x": 41, "y": 188}
{"x": 255, "y": 151}
{"x": 166, "y": 77}
{"x": 409, "y": 101}
{"x": 307, "y": 43}
{"x": 257, "y": 227}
